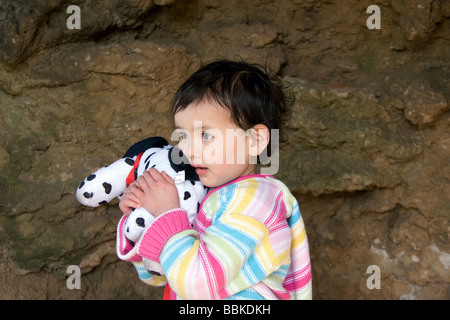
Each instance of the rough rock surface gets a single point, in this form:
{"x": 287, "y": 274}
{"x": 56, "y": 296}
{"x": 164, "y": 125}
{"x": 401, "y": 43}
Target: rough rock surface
{"x": 369, "y": 140}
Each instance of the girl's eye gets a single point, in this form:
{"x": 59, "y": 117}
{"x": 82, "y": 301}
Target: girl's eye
{"x": 182, "y": 135}
{"x": 206, "y": 136}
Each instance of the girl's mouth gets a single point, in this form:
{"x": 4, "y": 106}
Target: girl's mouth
{"x": 201, "y": 171}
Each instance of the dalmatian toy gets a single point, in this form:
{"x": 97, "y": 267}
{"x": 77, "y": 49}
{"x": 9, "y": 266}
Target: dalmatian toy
{"x": 109, "y": 182}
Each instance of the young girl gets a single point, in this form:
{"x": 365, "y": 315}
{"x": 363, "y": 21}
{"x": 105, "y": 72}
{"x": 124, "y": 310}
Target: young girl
{"x": 248, "y": 240}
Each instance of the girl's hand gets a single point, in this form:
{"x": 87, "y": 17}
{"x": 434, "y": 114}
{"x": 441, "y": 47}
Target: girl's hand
{"x": 128, "y": 200}
{"x": 156, "y": 192}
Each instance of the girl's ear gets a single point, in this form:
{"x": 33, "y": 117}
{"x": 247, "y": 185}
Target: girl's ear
{"x": 259, "y": 136}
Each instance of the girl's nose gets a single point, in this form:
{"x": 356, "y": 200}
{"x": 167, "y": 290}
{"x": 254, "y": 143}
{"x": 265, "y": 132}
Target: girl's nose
{"x": 194, "y": 151}
{"x": 191, "y": 150}
{"x": 183, "y": 145}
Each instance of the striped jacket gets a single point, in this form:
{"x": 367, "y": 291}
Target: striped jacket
{"x": 248, "y": 242}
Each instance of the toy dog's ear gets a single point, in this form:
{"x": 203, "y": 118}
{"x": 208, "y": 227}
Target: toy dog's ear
{"x": 141, "y": 146}
{"x": 179, "y": 162}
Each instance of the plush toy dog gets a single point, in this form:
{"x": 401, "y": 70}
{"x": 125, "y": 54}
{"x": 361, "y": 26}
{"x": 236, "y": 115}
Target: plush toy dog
{"x": 109, "y": 182}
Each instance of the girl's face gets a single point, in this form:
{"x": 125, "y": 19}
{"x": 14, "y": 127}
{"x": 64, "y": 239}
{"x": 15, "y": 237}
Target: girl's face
{"x": 213, "y": 143}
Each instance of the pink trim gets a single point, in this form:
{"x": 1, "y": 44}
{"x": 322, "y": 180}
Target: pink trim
{"x": 160, "y": 231}
{"x": 255, "y": 175}
{"x": 124, "y": 249}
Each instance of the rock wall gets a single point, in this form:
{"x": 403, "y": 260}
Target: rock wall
{"x": 369, "y": 137}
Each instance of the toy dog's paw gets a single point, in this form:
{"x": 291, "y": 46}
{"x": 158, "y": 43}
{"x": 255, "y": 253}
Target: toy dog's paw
{"x": 154, "y": 268}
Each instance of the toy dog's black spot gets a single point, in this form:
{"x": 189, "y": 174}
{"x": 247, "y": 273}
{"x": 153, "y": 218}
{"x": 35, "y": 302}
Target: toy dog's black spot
{"x": 140, "y": 222}
{"x": 107, "y": 187}
{"x": 129, "y": 161}
{"x": 103, "y": 202}
{"x": 91, "y": 177}
{"x": 148, "y": 163}
{"x": 187, "y": 195}
{"x": 179, "y": 162}
{"x": 154, "y": 273}
{"x": 88, "y": 195}
{"x": 81, "y": 185}
{"x": 148, "y": 158}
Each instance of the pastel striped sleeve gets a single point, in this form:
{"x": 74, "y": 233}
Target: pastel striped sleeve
{"x": 234, "y": 253}
{"x": 299, "y": 278}
{"x": 147, "y": 277}
{"x": 298, "y": 281}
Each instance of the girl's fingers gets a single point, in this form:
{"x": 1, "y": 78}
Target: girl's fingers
{"x": 155, "y": 175}
{"x": 167, "y": 177}
{"x": 140, "y": 187}
{"x": 128, "y": 204}
{"x": 146, "y": 181}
